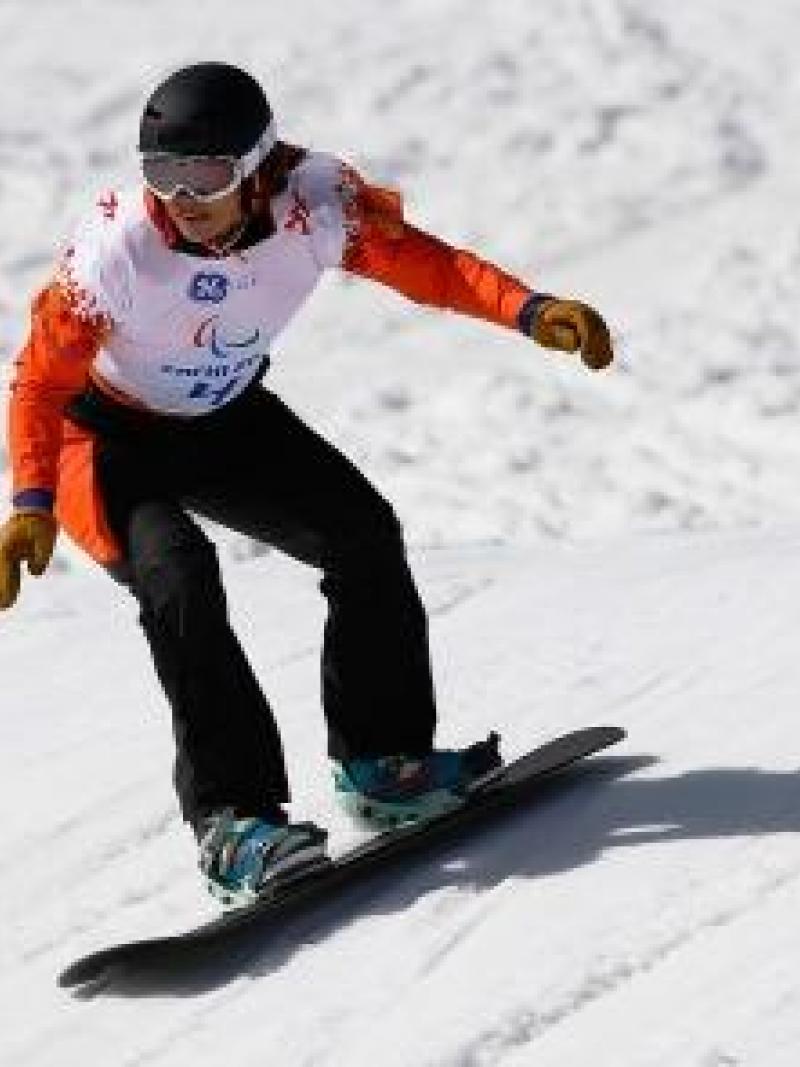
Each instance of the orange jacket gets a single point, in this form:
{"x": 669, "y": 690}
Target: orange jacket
{"x": 55, "y": 363}
{"x": 51, "y": 369}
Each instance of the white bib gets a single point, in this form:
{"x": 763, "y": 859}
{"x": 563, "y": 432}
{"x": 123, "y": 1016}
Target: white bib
{"x": 189, "y": 333}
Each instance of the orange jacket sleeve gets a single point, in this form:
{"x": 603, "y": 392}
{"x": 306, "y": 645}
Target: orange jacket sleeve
{"x": 50, "y": 370}
{"x": 384, "y": 247}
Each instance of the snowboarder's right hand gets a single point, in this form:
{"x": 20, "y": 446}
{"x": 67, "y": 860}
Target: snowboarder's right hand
{"x": 30, "y": 534}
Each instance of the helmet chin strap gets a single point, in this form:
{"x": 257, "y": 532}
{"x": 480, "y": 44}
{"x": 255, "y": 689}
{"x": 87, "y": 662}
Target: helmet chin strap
{"x": 221, "y": 245}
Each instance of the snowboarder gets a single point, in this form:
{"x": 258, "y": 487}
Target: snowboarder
{"x": 138, "y": 403}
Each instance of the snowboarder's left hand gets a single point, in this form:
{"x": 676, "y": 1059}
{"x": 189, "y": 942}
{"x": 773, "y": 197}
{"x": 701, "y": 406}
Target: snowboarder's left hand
{"x": 569, "y": 325}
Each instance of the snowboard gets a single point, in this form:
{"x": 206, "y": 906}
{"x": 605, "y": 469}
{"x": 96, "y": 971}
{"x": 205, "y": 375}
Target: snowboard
{"x": 515, "y": 782}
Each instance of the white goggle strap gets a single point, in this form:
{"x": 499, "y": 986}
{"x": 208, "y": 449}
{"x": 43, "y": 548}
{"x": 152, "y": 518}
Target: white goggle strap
{"x": 259, "y": 152}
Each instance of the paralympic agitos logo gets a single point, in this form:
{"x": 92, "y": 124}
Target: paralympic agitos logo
{"x": 207, "y": 336}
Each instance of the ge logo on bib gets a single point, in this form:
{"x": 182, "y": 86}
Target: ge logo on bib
{"x": 208, "y": 288}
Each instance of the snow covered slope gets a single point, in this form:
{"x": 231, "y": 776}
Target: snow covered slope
{"x": 642, "y": 156}
{"x": 647, "y": 915}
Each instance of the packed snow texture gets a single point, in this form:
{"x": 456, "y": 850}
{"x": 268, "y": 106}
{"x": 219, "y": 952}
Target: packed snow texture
{"x": 644, "y": 915}
{"x": 640, "y": 156}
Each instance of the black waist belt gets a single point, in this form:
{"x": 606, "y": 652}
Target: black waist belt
{"x": 101, "y": 413}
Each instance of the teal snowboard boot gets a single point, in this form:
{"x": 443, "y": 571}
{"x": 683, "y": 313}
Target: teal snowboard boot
{"x": 245, "y": 858}
{"x": 387, "y": 791}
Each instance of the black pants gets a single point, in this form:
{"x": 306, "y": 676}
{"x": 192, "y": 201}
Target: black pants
{"x": 256, "y": 468}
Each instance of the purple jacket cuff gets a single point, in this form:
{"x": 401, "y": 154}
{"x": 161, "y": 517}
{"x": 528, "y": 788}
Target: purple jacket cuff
{"x": 529, "y": 311}
{"x": 34, "y": 498}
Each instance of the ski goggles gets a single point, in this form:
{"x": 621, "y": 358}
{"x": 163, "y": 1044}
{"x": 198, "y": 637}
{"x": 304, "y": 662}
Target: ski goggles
{"x": 203, "y": 178}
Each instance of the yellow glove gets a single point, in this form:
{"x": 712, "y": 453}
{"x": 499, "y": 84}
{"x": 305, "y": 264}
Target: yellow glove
{"x": 29, "y": 535}
{"x": 570, "y": 325}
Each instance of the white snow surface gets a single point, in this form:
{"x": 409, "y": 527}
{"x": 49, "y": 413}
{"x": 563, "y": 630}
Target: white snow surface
{"x": 644, "y": 915}
{"x": 620, "y": 548}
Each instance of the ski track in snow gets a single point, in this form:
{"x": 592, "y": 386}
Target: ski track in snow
{"x": 523, "y": 1026}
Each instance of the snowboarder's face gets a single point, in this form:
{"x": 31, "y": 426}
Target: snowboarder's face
{"x": 205, "y": 222}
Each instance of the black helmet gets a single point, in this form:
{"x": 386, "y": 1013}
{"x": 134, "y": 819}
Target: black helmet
{"x": 208, "y": 109}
